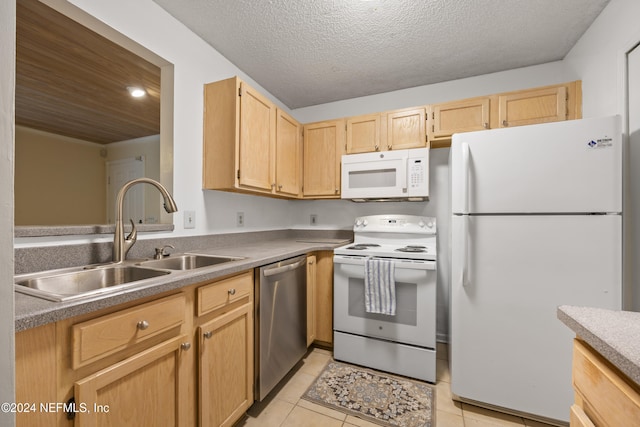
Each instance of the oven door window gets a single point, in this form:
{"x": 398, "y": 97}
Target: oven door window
{"x": 406, "y": 303}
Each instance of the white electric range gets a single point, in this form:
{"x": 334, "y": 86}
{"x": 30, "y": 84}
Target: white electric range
{"x": 403, "y": 343}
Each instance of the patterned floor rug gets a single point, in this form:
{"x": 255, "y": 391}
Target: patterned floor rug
{"x": 374, "y": 396}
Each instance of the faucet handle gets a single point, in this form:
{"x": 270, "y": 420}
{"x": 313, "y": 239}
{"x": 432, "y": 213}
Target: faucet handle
{"x": 130, "y": 239}
{"x": 160, "y": 252}
{"x": 133, "y": 236}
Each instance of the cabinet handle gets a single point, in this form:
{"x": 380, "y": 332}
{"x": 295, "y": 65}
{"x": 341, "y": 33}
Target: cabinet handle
{"x": 388, "y": 147}
{"x": 185, "y": 346}
{"x": 232, "y": 291}
{"x": 208, "y": 334}
{"x": 486, "y": 125}
{"x": 142, "y": 325}
{"x": 337, "y": 191}
{"x": 377, "y": 147}
{"x": 504, "y": 123}
{"x": 280, "y": 187}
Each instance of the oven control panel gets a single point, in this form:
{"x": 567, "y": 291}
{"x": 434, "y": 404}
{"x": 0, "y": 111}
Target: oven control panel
{"x": 395, "y": 224}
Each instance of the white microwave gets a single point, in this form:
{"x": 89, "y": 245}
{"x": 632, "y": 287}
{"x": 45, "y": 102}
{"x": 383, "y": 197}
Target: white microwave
{"x": 386, "y": 175}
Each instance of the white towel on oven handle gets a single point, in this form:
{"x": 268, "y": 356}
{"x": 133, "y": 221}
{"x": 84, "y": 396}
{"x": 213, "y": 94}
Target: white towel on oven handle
{"x": 379, "y": 286}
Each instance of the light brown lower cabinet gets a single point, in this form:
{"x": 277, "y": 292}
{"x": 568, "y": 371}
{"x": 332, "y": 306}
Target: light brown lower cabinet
{"x": 604, "y": 396}
{"x": 148, "y": 388}
{"x": 182, "y": 360}
{"x": 36, "y": 375}
{"x": 311, "y": 305}
{"x": 225, "y": 361}
{"x": 324, "y": 298}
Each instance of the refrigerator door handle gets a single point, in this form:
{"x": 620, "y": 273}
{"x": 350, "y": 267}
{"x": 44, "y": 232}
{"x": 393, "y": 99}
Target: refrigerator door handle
{"x": 465, "y": 177}
{"x": 465, "y": 251}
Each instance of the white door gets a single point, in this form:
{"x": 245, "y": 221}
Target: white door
{"x": 119, "y": 172}
{"x": 507, "y": 346}
{"x": 573, "y": 166}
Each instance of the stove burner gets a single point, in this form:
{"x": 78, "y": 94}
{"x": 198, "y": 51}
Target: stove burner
{"x": 412, "y": 249}
{"x": 363, "y": 246}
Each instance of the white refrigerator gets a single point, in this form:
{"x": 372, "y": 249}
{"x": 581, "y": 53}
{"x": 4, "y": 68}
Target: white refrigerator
{"x": 536, "y": 223}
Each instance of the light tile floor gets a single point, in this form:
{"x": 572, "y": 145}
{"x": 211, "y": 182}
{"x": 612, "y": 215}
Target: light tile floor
{"x": 285, "y": 408}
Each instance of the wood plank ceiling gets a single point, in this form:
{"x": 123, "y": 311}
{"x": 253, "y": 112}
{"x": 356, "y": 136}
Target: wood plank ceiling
{"x": 73, "y": 82}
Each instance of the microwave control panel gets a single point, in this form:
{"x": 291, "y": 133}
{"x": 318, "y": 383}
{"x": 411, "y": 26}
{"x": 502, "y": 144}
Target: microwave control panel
{"x": 417, "y": 172}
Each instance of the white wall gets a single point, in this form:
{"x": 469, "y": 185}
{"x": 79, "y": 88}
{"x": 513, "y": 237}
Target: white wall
{"x": 7, "y": 84}
{"x": 597, "y": 58}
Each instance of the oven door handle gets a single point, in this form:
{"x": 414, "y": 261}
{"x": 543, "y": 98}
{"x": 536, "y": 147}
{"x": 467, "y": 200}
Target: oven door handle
{"x": 399, "y": 263}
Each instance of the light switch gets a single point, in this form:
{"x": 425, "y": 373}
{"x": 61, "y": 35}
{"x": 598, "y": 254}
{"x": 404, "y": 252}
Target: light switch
{"x": 189, "y": 219}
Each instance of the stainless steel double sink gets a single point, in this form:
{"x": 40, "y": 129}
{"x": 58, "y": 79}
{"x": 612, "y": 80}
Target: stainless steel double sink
{"x": 80, "y": 282}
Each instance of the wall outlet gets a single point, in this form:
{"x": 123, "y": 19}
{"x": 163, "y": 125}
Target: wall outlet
{"x": 189, "y": 219}
{"x": 313, "y": 219}
{"x": 240, "y": 219}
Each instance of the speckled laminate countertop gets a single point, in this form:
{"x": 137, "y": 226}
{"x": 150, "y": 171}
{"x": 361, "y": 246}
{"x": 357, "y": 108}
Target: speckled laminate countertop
{"x": 31, "y": 311}
{"x": 614, "y": 334}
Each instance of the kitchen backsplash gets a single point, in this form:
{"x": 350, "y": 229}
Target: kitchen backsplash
{"x": 32, "y": 259}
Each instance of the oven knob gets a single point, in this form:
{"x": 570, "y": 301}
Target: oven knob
{"x": 358, "y": 222}
{"x": 430, "y": 224}
{"x": 364, "y": 223}
{"x": 421, "y": 224}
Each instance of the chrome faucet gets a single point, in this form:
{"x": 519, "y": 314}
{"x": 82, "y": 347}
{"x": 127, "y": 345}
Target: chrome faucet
{"x": 121, "y": 244}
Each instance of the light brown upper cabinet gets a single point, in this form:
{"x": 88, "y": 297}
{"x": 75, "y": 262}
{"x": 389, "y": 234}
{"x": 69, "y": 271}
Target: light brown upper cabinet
{"x": 405, "y": 128}
{"x": 322, "y": 152}
{"x": 242, "y": 146}
{"x": 363, "y": 133}
{"x": 391, "y": 130}
{"x": 540, "y": 105}
{"x": 458, "y": 116}
{"x": 523, "y": 107}
{"x": 288, "y": 162}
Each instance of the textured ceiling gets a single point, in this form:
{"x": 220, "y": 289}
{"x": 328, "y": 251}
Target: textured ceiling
{"x": 310, "y": 52}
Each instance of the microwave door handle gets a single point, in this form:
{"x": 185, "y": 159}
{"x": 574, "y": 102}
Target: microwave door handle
{"x": 403, "y": 176}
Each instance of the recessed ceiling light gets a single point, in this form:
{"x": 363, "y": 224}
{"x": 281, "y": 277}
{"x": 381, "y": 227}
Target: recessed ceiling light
{"x": 136, "y": 92}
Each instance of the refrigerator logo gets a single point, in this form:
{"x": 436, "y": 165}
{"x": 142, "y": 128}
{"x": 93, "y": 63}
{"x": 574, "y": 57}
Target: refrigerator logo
{"x": 601, "y": 143}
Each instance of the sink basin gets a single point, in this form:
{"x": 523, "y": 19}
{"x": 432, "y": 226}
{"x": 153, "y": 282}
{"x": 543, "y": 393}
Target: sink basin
{"x": 65, "y": 284}
{"x": 187, "y": 261}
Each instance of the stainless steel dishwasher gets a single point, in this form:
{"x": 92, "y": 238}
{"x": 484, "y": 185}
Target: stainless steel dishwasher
{"x": 281, "y": 321}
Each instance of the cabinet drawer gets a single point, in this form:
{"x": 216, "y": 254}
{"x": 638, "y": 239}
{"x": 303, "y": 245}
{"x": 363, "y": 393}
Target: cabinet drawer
{"x": 97, "y": 338}
{"x": 609, "y": 398}
{"x": 216, "y": 295}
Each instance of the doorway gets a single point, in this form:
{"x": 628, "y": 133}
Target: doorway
{"x": 632, "y": 299}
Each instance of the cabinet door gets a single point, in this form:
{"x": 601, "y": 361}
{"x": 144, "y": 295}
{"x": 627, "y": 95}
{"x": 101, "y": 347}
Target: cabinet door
{"x": 288, "y": 154}
{"x": 226, "y": 367}
{"x": 311, "y": 300}
{"x": 257, "y": 140}
{"x": 406, "y": 129}
{"x": 148, "y": 389}
{"x": 322, "y": 151}
{"x": 324, "y": 296}
{"x": 533, "y": 106}
{"x": 459, "y": 116}
{"x": 363, "y": 134}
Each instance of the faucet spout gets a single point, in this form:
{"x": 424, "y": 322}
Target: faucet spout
{"x": 122, "y": 245}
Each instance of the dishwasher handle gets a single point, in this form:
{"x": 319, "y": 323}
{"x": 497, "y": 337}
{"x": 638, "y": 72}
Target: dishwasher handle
{"x": 278, "y": 270}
